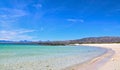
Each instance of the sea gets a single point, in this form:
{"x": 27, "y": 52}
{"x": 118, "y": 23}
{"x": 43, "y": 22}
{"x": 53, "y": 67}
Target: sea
{"x": 41, "y": 57}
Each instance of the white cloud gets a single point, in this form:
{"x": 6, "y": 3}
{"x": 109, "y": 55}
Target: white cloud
{"x": 12, "y": 13}
{"x": 9, "y": 16}
{"x": 37, "y": 5}
{"x": 75, "y": 20}
{"x": 16, "y": 34}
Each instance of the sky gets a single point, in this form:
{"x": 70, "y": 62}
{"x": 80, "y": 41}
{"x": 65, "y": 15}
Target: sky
{"x": 58, "y": 19}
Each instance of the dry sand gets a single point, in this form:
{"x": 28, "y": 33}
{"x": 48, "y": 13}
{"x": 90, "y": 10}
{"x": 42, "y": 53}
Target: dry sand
{"x": 114, "y": 62}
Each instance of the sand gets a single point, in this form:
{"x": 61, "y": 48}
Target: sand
{"x": 108, "y": 61}
{"x": 113, "y": 62}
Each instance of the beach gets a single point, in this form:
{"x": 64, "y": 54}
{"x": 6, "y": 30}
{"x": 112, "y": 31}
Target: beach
{"x": 37, "y": 57}
{"x": 108, "y": 61}
{"x": 82, "y": 57}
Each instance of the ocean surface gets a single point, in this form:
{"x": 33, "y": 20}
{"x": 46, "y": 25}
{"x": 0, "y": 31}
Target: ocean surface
{"x": 19, "y": 57}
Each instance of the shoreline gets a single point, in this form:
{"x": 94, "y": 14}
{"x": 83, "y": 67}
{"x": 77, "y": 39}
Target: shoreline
{"x": 57, "y": 62}
{"x": 94, "y": 63}
{"x": 110, "y": 60}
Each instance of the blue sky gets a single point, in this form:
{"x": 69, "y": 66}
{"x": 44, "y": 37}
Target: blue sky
{"x": 58, "y": 19}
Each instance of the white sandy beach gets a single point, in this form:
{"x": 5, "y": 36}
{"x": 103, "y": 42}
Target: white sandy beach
{"x": 108, "y": 61}
{"x": 114, "y": 62}
{"x": 56, "y": 61}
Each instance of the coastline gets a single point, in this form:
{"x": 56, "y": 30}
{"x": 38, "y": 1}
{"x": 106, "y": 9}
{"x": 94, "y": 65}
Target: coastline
{"x": 61, "y": 60}
{"x": 109, "y": 60}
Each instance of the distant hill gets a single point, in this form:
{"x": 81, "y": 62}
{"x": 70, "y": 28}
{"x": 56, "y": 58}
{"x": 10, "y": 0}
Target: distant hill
{"x": 4, "y": 41}
{"x": 106, "y": 39}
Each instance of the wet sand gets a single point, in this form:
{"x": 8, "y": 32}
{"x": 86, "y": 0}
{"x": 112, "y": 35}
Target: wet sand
{"x": 110, "y": 60}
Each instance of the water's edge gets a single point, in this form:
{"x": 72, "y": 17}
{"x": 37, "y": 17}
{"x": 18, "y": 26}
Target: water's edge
{"x": 95, "y": 63}
{"x": 55, "y": 58}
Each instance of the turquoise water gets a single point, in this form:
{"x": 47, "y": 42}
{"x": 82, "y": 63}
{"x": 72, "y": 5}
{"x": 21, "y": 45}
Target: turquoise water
{"x": 16, "y": 51}
{"x": 12, "y": 53}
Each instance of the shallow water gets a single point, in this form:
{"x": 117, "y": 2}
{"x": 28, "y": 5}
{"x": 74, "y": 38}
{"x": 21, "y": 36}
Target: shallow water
{"x": 57, "y": 56}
